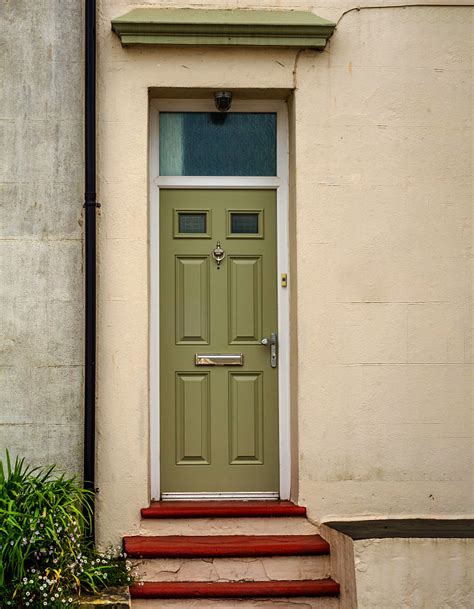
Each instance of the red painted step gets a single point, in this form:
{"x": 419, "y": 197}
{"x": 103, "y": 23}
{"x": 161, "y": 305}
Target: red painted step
{"x": 322, "y": 587}
{"x": 184, "y": 546}
{"x": 221, "y": 509}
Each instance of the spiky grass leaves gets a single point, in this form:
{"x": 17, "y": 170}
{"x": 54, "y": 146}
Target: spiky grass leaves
{"x": 44, "y": 557}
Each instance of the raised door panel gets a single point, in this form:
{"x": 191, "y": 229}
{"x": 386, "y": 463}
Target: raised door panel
{"x": 193, "y": 436}
{"x": 192, "y": 300}
{"x": 245, "y": 418}
{"x": 245, "y": 299}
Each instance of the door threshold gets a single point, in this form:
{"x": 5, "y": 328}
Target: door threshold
{"x": 263, "y": 496}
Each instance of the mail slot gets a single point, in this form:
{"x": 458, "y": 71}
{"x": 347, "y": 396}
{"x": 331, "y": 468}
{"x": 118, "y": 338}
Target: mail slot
{"x": 219, "y": 359}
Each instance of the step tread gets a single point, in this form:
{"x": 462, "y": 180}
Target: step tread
{"x": 303, "y": 588}
{"x": 221, "y": 509}
{"x": 210, "y": 546}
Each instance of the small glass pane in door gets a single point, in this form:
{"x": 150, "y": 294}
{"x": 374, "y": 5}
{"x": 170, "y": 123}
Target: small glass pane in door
{"x": 192, "y": 223}
{"x": 244, "y": 223}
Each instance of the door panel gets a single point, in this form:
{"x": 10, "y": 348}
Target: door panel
{"x": 192, "y": 299}
{"x": 192, "y": 418}
{"x": 219, "y": 424}
{"x": 246, "y": 421}
{"x": 245, "y": 299}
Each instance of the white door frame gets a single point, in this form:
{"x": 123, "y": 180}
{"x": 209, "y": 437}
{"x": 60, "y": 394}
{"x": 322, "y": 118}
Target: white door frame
{"x": 280, "y": 184}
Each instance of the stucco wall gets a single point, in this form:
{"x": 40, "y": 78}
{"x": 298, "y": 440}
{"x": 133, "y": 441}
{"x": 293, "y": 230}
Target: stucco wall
{"x": 414, "y": 573}
{"x": 382, "y": 192}
{"x": 40, "y": 234}
{"x": 402, "y": 572}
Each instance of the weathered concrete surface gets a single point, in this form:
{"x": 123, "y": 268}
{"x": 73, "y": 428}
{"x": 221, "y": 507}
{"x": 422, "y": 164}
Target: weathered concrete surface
{"x": 265, "y": 568}
{"x": 115, "y": 598}
{"x": 227, "y": 526}
{"x": 342, "y": 565}
{"x": 40, "y": 231}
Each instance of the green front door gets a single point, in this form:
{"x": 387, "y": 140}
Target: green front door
{"x": 219, "y": 419}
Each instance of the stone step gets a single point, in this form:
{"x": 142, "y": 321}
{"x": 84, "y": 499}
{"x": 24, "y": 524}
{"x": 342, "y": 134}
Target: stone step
{"x": 236, "y": 590}
{"x": 183, "y": 546}
{"x": 222, "y": 509}
{"x": 267, "y": 568}
{"x": 282, "y": 525}
{"x": 229, "y": 603}
{"x": 230, "y": 555}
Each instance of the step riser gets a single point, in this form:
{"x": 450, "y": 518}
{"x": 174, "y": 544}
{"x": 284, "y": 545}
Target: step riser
{"x": 227, "y": 526}
{"x": 271, "y": 568}
{"x": 273, "y": 603}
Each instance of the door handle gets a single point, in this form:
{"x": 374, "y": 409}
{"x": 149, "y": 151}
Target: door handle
{"x": 271, "y": 342}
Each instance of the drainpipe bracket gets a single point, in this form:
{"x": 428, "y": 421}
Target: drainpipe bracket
{"x": 90, "y": 200}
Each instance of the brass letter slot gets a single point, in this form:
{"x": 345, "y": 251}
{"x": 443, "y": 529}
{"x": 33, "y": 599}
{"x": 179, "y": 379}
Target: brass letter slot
{"x": 219, "y": 359}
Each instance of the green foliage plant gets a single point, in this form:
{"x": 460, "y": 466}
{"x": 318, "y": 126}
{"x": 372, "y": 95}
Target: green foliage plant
{"x": 45, "y": 557}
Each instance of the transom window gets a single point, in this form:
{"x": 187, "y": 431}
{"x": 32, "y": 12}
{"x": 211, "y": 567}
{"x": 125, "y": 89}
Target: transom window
{"x": 218, "y": 144}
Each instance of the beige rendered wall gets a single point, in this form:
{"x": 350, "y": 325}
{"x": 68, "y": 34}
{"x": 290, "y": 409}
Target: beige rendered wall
{"x": 382, "y": 193}
{"x": 403, "y": 573}
{"x": 414, "y": 573}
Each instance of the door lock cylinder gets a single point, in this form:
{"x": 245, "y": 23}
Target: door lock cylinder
{"x": 272, "y": 342}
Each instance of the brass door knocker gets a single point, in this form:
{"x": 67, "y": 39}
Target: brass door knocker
{"x": 218, "y": 254}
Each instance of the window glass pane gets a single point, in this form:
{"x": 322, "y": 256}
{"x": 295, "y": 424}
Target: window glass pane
{"x": 192, "y": 222}
{"x": 244, "y": 223}
{"x": 217, "y": 144}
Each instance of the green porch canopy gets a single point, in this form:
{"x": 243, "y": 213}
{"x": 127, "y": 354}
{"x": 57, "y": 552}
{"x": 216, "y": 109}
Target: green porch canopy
{"x": 237, "y": 27}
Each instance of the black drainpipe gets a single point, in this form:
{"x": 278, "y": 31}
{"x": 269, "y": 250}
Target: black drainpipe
{"x": 90, "y": 206}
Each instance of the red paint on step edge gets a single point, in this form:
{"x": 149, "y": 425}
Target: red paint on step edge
{"x": 222, "y": 509}
{"x": 183, "y": 546}
{"x": 268, "y": 589}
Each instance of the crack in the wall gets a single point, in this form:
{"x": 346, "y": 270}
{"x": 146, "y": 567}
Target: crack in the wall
{"x": 265, "y": 570}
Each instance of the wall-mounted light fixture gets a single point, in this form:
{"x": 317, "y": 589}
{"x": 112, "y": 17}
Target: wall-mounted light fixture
{"x": 223, "y": 100}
